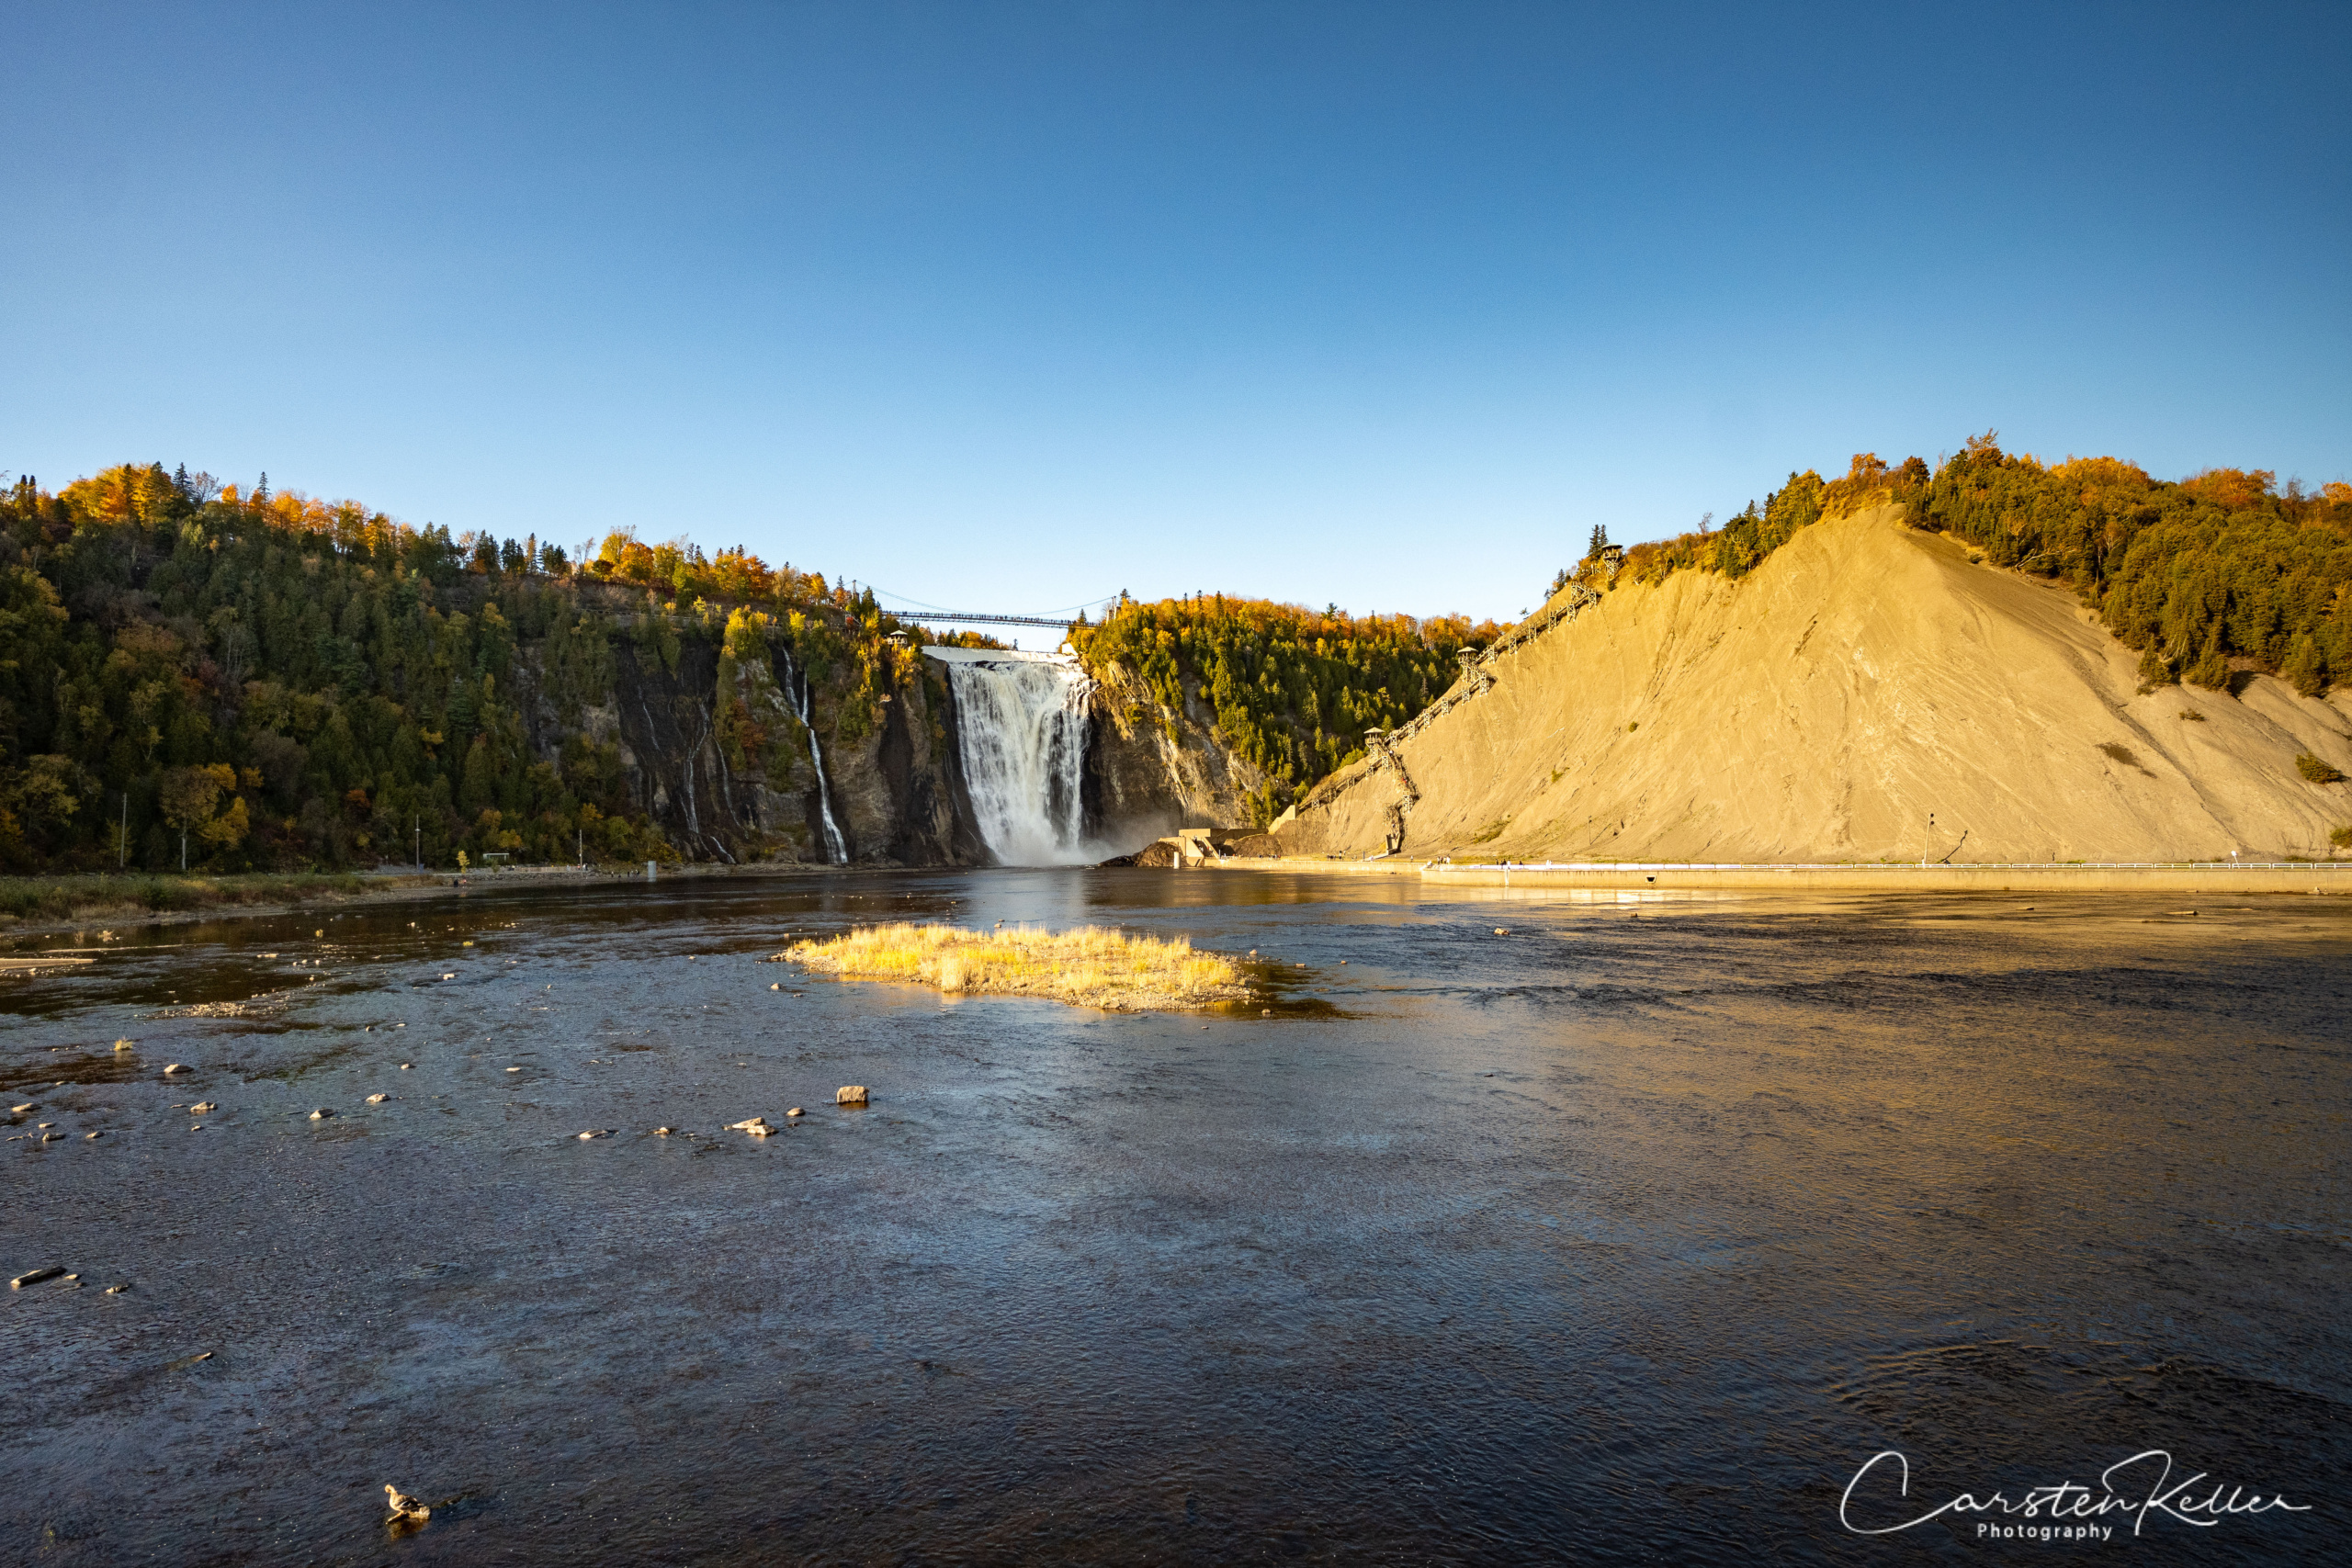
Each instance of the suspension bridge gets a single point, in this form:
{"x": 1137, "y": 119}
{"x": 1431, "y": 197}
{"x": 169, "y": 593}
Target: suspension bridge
{"x": 960, "y": 616}
{"x": 1061, "y": 620}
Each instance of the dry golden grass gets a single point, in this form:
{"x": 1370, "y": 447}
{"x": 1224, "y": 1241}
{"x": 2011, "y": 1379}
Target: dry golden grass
{"x": 1088, "y": 967}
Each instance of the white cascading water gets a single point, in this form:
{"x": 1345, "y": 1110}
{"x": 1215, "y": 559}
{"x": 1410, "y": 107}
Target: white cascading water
{"x": 1021, "y": 724}
{"x": 836, "y": 846}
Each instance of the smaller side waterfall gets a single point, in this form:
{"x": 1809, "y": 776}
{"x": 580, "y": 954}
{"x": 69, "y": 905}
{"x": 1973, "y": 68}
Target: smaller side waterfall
{"x": 796, "y": 688}
{"x": 1021, "y": 726}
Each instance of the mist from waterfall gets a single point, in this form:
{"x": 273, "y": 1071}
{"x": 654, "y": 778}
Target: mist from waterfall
{"x": 1021, "y": 723}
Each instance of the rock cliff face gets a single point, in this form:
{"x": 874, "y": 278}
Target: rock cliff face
{"x": 899, "y": 792}
{"x": 1151, "y": 770}
{"x": 743, "y": 788}
{"x": 1870, "y": 692}
{"x": 714, "y": 749}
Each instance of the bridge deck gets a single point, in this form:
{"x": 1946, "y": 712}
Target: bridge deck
{"x": 945, "y": 617}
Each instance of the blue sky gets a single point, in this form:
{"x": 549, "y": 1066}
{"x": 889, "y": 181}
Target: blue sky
{"x": 1012, "y": 306}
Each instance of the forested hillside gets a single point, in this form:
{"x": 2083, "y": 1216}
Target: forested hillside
{"x": 1292, "y": 690}
{"x": 189, "y": 674}
{"x": 2223, "y": 569}
{"x": 267, "y": 682}
{"x": 2220, "y": 571}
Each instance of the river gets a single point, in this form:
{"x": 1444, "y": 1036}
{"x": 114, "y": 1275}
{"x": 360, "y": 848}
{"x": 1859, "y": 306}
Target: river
{"x": 1628, "y": 1232}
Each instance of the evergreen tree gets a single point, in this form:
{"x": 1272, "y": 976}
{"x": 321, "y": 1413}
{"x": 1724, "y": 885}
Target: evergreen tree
{"x": 2211, "y": 671}
{"x": 2304, "y": 667}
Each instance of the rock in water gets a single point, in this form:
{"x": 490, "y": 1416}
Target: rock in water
{"x": 122, "y": 1044}
{"x": 795, "y": 1110}
{"x": 35, "y": 1277}
{"x": 757, "y": 1125}
{"x": 200, "y": 1107}
{"x": 405, "y": 1510}
{"x": 377, "y": 1098}
{"x": 850, "y": 1094}
{"x": 321, "y": 1114}
{"x": 175, "y": 1068}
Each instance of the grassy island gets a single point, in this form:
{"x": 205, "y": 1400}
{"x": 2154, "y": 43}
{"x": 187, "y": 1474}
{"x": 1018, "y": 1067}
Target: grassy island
{"x": 1088, "y": 967}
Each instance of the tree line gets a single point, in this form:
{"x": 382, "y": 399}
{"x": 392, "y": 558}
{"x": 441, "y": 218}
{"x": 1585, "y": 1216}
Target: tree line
{"x": 2206, "y": 577}
{"x": 192, "y": 676}
{"x": 1290, "y": 689}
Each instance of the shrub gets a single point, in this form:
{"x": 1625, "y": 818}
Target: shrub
{"x": 2312, "y": 768}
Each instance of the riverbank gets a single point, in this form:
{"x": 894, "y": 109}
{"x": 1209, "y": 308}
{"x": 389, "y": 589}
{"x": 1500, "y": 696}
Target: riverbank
{"x": 45, "y": 905}
{"x": 32, "y": 903}
{"x": 2282, "y": 876}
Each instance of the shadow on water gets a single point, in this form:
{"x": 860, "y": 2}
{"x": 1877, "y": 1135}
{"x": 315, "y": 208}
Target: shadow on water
{"x": 1594, "y": 1229}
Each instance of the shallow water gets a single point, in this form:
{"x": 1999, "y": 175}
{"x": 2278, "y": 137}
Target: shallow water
{"x": 1629, "y": 1235}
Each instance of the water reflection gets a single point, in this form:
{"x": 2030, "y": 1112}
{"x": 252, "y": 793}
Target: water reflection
{"x": 1627, "y": 1231}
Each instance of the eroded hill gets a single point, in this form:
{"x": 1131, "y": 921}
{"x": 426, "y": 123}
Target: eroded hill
{"x": 1865, "y": 677}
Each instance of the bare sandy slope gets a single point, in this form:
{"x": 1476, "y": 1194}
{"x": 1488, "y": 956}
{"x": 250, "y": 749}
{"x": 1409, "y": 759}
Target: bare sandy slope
{"x": 1865, "y": 676}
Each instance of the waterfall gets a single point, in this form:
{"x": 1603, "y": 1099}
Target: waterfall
{"x": 836, "y": 846}
{"x": 1021, "y": 726}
